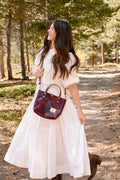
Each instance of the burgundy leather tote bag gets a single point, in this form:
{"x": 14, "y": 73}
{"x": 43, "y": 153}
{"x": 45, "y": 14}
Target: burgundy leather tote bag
{"x": 48, "y": 105}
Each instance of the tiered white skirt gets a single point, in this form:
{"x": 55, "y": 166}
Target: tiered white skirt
{"x": 50, "y": 147}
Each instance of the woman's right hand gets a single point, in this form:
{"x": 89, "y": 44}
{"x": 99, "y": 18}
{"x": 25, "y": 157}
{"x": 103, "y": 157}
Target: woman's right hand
{"x": 39, "y": 72}
{"x": 82, "y": 117}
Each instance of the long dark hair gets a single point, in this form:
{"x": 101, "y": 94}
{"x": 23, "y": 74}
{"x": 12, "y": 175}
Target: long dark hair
{"x": 63, "y": 45}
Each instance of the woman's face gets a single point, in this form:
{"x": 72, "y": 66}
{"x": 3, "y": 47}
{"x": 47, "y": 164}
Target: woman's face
{"x": 51, "y": 33}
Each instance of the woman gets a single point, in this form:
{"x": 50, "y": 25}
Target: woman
{"x": 51, "y": 147}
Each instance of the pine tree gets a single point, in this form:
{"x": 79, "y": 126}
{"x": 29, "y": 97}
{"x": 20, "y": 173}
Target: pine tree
{"x": 9, "y": 44}
{"x": 1, "y": 56}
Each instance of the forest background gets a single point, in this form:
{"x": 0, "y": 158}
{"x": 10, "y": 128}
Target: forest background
{"x": 23, "y": 24}
{"x": 96, "y": 34}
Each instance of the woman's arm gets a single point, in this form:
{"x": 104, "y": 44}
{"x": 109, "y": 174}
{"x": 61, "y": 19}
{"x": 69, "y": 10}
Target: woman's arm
{"x": 38, "y": 72}
{"x": 75, "y": 95}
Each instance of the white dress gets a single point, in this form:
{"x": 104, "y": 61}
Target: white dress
{"x": 51, "y": 147}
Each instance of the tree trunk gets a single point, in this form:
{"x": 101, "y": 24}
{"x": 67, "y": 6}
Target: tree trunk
{"x": 93, "y": 56}
{"x": 9, "y": 46}
{"x": 102, "y": 53}
{"x": 22, "y": 50}
{"x": 28, "y": 62}
{"x": 33, "y": 51}
{"x": 47, "y": 14}
{"x": 1, "y": 57}
{"x": 117, "y": 53}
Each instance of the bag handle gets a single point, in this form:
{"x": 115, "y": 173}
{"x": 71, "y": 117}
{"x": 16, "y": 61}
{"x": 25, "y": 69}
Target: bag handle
{"x": 53, "y": 85}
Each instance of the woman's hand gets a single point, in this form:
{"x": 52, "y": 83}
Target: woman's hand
{"x": 82, "y": 117}
{"x": 39, "y": 73}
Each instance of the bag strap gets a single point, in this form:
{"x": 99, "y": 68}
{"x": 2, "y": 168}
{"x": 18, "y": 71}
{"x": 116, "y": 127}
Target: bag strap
{"x": 40, "y": 77}
{"x": 52, "y": 84}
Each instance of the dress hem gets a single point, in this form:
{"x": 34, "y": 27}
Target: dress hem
{"x": 59, "y": 171}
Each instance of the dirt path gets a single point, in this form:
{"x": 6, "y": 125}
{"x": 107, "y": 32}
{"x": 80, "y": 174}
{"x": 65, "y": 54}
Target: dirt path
{"x": 100, "y": 99}
{"x": 100, "y": 96}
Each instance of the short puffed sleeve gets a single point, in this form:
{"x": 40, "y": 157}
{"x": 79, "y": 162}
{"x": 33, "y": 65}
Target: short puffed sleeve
{"x": 37, "y": 61}
{"x": 73, "y": 77}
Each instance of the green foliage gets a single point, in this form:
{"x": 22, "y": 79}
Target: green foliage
{"x": 17, "y": 91}
{"x": 11, "y": 115}
{"x": 106, "y": 65}
{"x": 91, "y": 20}
{"x": 109, "y": 65}
{"x": 31, "y": 29}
